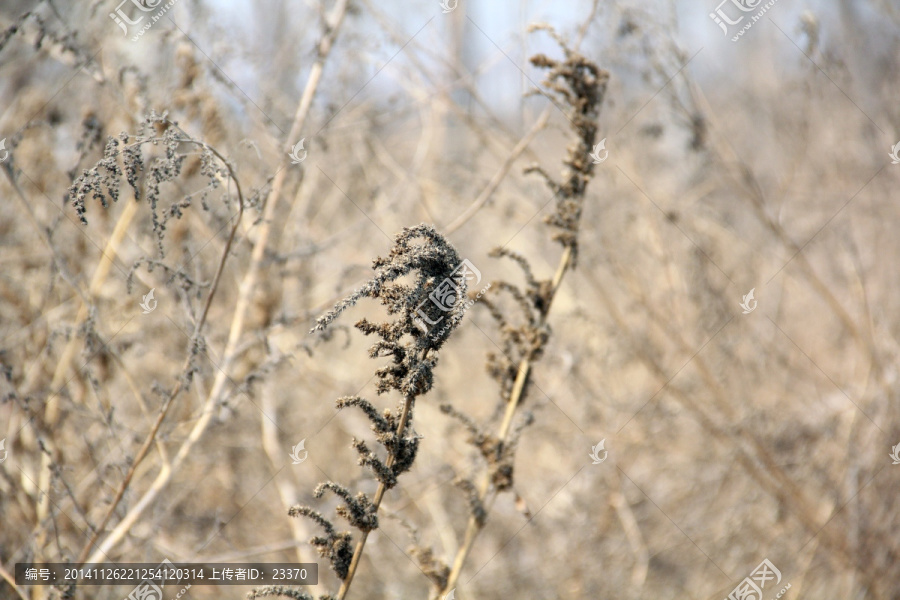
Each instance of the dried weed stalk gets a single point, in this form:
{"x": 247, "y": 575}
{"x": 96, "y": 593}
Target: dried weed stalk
{"x": 578, "y": 86}
{"x": 102, "y": 182}
{"x": 426, "y": 255}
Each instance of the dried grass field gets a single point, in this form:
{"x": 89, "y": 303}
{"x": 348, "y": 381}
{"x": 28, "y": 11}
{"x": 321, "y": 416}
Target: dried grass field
{"x": 455, "y": 300}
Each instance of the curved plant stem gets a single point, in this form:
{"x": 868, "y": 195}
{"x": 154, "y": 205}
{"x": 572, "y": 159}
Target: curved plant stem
{"x": 151, "y": 437}
{"x": 248, "y": 285}
{"x": 12, "y": 582}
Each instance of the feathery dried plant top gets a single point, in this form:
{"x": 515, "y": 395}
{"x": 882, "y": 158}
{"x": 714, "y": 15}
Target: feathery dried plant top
{"x": 435, "y": 262}
{"x": 146, "y": 171}
{"x": 580, "y": 85}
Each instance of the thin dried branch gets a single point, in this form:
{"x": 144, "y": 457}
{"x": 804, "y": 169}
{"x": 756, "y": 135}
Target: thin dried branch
{"x": 581, "y": 85}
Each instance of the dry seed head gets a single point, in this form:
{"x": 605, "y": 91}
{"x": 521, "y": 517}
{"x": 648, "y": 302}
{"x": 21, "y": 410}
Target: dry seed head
{"x": 431, "y": 262}
{"x": 581, "y": 85}
{"x": 433, "y": 568}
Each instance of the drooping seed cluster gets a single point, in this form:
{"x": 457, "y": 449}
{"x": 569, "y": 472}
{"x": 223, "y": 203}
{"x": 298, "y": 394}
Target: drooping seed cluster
{"x": 426, "y": 255}
{"x": 147, "y": 173}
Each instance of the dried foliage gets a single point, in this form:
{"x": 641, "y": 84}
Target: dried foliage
{"x": 128, "y": 436}
{"x": 282, "y": 592}
{"x": 335, "y": 546}
{"x": 578, "y": 85}
{"x": 426, "y": 255}
{"x": 101, "y": 182}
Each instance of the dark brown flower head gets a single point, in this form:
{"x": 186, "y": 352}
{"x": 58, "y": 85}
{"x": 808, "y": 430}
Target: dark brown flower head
{"x": 336, "y": 546}
{"x": 427, "y": 311}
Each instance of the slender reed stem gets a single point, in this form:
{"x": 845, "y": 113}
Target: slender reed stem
{"x": 473, "y": 528}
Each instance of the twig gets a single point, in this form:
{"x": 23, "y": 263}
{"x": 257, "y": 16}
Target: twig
{"x": 286, "y": 490}
{"x": 51, "y": 408}
{"x": 12, "y": 582}
{"x": 587, "y": 85}
{"x": 498, "y": 177}
{"x": 753, "y": 455}
{"x": 633, "y": 534}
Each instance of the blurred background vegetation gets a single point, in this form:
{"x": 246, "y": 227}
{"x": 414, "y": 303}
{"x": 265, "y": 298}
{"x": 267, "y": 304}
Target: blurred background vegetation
{"x": 761, "y": 164}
